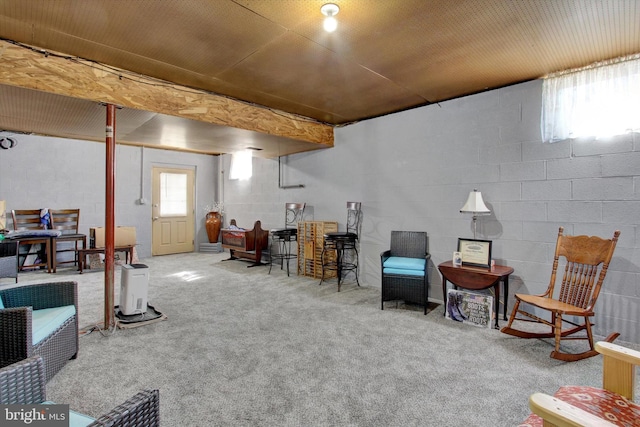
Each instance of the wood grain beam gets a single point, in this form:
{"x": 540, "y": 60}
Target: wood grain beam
{"x": 56, "y": 73}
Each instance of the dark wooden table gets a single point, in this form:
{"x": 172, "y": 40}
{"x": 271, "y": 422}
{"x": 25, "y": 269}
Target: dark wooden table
{"x": 82, "y": 254}
{"x": 477, "y": 278}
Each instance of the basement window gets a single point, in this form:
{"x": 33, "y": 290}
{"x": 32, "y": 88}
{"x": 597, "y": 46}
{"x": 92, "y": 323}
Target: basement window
{"x": 241, "y": 165}
{"x": 173, "y": 194}
{"x": 599, "y": 101}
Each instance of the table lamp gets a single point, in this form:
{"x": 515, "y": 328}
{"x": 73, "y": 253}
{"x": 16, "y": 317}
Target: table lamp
{"x": 475, "y": 205}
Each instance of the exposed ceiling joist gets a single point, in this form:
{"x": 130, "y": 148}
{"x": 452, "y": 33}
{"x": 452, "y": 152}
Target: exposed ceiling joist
{"x": 62, "y": 75}
{"x": 384, "y": 57}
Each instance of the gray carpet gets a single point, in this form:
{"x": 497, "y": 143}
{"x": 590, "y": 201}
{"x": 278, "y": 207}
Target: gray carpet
{"x": 241, "y": 347}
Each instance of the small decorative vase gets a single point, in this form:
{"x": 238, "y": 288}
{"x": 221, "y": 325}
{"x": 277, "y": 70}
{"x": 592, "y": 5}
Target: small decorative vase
{"x": 212, "y": 222}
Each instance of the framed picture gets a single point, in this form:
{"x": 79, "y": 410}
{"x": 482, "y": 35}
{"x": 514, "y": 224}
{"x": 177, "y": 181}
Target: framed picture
{"x": 457, "y": 259}
{"x": 475, "y": 252}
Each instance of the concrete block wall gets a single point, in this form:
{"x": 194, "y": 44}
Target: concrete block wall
{"x": 411, "y": 171}
{"x": 43, "y": 172}
{"x": 414, "y": 170}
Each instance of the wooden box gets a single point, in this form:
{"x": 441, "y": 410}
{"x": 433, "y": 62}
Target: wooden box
{"x": 310, "y": 244}
{"x": 123, "y": 236}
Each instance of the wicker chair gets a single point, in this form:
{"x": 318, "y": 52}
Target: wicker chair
{"x": 16, "y": 325}
{"x": 23, "y": 383}
{"x": 404, "y": 268}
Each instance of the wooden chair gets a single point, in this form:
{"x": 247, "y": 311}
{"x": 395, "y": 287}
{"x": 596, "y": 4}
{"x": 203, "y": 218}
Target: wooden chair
{"x": 66, "y": 221}
{"x": 29, "y": 220}
{"x": 611, "y": 405}
{"x": 586, "y": 263}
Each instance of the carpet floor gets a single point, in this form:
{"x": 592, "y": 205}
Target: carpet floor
{"x": 241, "y": 347}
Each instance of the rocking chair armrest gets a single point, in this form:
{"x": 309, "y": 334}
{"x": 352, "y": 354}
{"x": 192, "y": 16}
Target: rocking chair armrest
{"x": 562, "y": 414}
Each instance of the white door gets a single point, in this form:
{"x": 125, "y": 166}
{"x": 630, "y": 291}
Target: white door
{"x": 173, "y": 212}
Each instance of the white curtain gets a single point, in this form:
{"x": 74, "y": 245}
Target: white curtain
{"x": 241, "y": 165}
{"x": 598, "y": 101}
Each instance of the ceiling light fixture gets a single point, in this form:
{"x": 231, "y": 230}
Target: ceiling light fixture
{"x": 330, "y": 10}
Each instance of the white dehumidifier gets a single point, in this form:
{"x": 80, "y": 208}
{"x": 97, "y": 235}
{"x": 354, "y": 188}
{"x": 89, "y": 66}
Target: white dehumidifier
{"x": 134, "y": 287}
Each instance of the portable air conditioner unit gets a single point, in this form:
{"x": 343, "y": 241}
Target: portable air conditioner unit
{"x": 134, "y": 287}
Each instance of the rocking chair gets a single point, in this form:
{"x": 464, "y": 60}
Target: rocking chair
{"x": 579, "y": 291}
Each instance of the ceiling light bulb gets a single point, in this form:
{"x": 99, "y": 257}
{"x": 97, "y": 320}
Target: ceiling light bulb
{"x": 330, "y": 10}
{"x": 330, "y": 24}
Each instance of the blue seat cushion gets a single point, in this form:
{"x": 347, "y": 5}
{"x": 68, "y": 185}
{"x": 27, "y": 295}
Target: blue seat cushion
{"x": 76, "y": 419}
{"x": 403, "y": 263}
{"x": 47, "y": 320}
{"x": 403, "y": 272}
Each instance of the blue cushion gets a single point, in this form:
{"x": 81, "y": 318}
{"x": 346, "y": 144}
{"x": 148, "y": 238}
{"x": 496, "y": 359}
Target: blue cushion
{"x": 47, "y": 320}
{"x": 76, "y": 419}
{"x": 404, "y": 272}
{"x": 405, "y": 263}
{"x": 1, "y": 303}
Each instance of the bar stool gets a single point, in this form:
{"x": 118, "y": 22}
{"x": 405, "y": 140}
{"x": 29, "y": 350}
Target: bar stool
{"x": 344, "y": 246}
{"x": 281, "y": 238}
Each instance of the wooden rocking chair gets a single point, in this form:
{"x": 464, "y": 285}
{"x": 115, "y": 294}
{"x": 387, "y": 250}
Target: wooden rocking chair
{"x": 579, "y": 291}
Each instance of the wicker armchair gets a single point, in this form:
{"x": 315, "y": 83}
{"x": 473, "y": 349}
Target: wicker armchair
{"x": 23, "y": 383}
{"x": 405, "y": 274}
{"x": 16, "y": 325}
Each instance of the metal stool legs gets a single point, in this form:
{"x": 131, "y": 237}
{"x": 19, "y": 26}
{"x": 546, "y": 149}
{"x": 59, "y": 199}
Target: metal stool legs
{"x": 283, "y": 254}
{"x": 346, "y": 256}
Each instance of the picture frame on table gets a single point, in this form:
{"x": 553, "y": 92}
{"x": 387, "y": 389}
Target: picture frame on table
{"x": 475, "y": 252}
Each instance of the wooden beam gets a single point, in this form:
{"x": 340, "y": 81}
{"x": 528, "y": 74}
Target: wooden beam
{"x": 50, "y": 72}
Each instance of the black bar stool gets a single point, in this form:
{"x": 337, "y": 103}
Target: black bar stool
{"x": 344, "y": 247}
{"x": 281, "y": 238}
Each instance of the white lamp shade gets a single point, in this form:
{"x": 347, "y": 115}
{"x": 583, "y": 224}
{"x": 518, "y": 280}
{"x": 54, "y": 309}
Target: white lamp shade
{"x": 475, "y": 204}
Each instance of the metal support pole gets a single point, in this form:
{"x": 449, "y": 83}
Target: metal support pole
{"x": 109, "y": 232}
